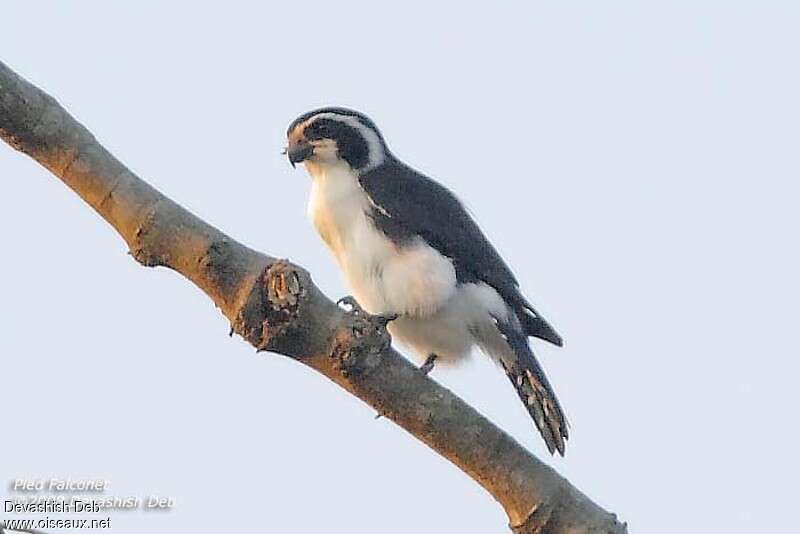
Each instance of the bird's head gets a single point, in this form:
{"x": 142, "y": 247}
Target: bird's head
{"x": 333, "y": 136}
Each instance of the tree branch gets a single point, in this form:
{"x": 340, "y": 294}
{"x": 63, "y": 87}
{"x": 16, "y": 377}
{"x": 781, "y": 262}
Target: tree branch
{"x": 275, "y": 306}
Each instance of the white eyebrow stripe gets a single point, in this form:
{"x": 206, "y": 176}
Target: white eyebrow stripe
{"x": 376, "y": 154}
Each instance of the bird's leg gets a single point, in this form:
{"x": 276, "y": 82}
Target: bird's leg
{"x": 356, "y": 309}
{"x": 427, "y": 367}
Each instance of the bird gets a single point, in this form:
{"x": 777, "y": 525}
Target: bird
{"x": 410, "y": 250}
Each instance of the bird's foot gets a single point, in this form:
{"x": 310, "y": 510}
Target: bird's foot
{"x": 358, "y": 346}
{"x": 356, "y": 309}
{"x": 427, "y": 367}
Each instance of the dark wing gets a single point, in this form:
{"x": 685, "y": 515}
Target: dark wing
{"x": 407, "y": 203}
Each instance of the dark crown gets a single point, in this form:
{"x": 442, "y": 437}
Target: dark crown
{"x": 351, "y": 139}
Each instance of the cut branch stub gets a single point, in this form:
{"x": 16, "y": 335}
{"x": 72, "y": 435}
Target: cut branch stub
{"x": 267, "y": 319}
{"x": 285, "y": 294}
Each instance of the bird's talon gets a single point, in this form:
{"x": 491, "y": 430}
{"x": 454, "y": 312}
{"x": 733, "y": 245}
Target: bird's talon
{"x": 387, "y": 318}
{"x": 427, "y": 367}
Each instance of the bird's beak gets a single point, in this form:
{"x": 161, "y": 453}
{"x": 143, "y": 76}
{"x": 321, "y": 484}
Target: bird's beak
{"x": 299, "y": 152}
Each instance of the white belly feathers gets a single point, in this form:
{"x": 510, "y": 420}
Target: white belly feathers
{"x": 413, "y": 280}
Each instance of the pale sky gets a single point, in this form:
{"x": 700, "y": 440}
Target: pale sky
{"x": 636, "y": 163}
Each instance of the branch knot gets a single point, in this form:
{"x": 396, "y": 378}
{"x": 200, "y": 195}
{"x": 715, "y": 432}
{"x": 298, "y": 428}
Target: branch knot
{"x": 273, "y": 307}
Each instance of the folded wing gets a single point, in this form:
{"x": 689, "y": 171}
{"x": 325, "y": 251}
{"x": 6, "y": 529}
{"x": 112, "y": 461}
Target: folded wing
{"x": 407, "y": 204}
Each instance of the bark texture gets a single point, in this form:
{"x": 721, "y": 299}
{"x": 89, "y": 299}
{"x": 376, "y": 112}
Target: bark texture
{"x": 275, "y": 306}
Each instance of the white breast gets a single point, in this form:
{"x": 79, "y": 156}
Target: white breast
{"x": 412, "y": 280}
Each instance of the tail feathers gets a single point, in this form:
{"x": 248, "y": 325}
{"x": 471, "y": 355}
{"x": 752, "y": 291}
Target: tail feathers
{"x": 535, "y": 391}
{"x": 543, "y": 406}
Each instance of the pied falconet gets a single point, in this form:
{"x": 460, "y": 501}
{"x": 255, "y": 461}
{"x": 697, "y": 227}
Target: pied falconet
{"x": 408, "y": 247}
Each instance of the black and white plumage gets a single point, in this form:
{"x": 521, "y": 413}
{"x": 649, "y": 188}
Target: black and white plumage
{"x": 408, "y": 247}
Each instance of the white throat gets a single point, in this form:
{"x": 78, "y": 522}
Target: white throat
{"x": 336, "y": 204}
